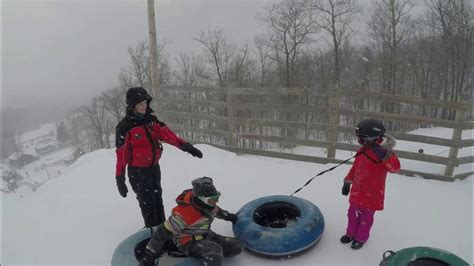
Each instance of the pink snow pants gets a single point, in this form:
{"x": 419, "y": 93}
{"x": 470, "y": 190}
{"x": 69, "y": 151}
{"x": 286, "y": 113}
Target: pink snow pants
{"x": 360, "y": 222}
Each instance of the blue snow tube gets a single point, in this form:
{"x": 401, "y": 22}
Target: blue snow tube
{"x": 124, "y": 253}
{"x": 279, "y": 226}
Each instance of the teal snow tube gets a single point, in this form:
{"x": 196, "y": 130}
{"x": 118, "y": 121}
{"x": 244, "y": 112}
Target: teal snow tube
{"x": 124, "y": 254}
{"x": 421, "y": 256}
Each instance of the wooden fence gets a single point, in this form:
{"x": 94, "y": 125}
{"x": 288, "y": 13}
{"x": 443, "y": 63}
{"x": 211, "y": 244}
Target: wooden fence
{"x": 262, "y": 121}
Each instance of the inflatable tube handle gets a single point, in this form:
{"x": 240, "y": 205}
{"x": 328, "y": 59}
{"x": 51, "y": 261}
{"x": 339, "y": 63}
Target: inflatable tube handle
{"x": 385, "y": 256}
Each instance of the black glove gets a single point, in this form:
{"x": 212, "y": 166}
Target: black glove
{"x": 187, "y": 147}
{"x": 122, "y": 187}
{"x": 233, "y": 218}
{"x": 227, "y": 216}
{"x": 346, "y": 188}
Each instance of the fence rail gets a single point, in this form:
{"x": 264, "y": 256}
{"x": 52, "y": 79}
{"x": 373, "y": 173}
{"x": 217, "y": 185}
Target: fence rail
{"x": 256, "y": 121}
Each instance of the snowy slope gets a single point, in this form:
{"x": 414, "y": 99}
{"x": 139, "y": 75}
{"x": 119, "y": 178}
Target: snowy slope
{"x": 79, "y": 217}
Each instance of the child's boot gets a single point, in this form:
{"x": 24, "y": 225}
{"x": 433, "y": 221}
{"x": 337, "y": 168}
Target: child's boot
{"x": 356, "y": 244}
{"x": 148, "y": 259}
{"x": 345, "y": 239}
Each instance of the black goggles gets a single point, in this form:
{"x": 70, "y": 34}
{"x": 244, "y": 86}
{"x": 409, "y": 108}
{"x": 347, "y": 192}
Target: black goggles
{"x": 210, "y": 200}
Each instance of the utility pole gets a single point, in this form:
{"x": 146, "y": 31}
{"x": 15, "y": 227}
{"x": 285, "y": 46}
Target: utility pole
{"x": 153, "y": 47}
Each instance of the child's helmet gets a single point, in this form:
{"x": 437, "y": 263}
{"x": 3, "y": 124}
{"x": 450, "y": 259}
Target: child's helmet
{"x": 370, "y": 131}
{"x": 205, "y": 191}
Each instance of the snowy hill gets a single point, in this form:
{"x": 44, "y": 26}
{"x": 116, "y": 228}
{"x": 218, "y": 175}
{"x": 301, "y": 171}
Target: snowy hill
{"x": 79, "y": 217}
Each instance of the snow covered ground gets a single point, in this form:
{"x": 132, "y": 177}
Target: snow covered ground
{"x": 79, "y": 218}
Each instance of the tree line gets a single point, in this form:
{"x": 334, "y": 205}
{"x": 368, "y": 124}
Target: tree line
{"x": 392, "y": 46}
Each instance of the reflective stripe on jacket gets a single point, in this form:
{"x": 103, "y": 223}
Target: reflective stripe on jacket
{"x": 188, "y": 222}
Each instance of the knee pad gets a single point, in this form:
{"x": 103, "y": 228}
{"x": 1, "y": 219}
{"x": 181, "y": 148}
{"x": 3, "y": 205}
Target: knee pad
{"x": 233, "y": 248}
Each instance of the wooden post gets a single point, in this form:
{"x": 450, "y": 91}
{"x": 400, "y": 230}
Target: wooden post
{"x": 306, "y": 133}
{"x": 453, "y": 151}
{"x": 153, "y": 47}
{"x": 232, "y": 140}
{"x": 333, "y": 109}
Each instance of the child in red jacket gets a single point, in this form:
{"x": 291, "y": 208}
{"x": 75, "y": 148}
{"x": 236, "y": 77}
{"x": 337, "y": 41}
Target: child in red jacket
{"x": 189, "y": 227}
{"x": 367, "y": 177}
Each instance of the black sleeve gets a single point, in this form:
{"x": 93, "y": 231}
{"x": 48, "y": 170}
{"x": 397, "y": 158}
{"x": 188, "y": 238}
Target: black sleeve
{"x": 222, "y": 214}
{"x": 120, "y": 132}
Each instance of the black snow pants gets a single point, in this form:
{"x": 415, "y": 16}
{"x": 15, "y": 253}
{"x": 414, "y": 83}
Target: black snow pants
{"x": 212, "y": 249}
{"x": 146, "y": 183}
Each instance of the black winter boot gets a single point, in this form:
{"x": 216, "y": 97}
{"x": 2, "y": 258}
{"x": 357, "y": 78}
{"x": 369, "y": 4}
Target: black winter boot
{"x": 148, "y": 260}
{"x": 212, "y": 259}
{"x": 345, "y": 239}
{"x": 356, "y": 244}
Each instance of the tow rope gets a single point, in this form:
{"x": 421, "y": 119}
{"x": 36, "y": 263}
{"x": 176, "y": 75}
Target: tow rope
{"x": 325, "y": 171}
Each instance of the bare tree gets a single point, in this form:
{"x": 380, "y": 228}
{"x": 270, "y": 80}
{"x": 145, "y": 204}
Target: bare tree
{"x": 423, "y": 63}
{"x": 185, "y": 74}
{"x": 219, "y": 52}
{"x": 309, "y": 67}
{"x": 164, "y": 67}
{"x": 390, "y": 25}
{"x": 291, "y": 24}
{"x": 139, "y": 64}
{"x": 262, "y": 52}
{"x": 138, "y": 73}
{"x": 451, "y": 21}
{"x": 113, "y": 100}
{"x": 80, "y": 126}
{"x": 100, "y": 126}
{"x": 239, "y": 66}
{"x": 335, "y": 17}
{"x": 125, "y": 79}
{"x": 190, "y": 70}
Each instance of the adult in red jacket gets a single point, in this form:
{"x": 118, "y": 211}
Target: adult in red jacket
{"x": 138, "y": 141}
{"x": 367, "y": 177}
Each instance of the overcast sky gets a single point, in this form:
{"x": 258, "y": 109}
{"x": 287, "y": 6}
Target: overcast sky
{"x": 67, "y": 51}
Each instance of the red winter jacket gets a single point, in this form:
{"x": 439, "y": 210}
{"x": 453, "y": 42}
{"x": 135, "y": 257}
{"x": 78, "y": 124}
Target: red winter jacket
{"x": 368, "y": 178}
{"x": 188, "y": 222}
{"x": 138, "y": 143}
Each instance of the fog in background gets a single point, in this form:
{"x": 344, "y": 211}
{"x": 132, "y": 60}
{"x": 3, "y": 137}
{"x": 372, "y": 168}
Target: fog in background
{"x": 57, "y": 55}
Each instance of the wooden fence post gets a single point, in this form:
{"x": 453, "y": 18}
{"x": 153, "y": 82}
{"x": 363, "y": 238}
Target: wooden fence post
{"x": 457, "y": 136}
{"x": 232, "y": 140}
{"x": 333, "y": 112}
